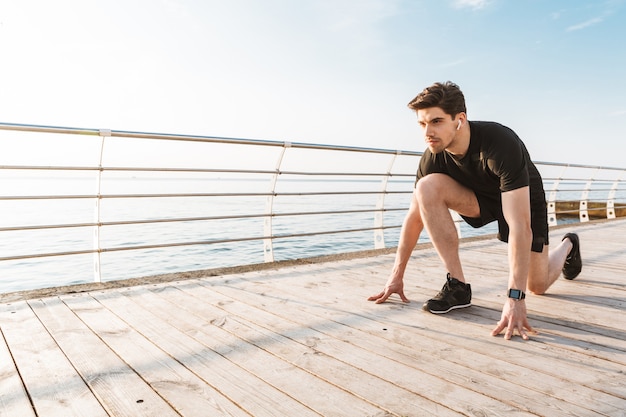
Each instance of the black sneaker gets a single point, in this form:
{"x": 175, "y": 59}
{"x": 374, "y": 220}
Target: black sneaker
{"x": 573, "y": 262}
{"x": 454, "y": 294}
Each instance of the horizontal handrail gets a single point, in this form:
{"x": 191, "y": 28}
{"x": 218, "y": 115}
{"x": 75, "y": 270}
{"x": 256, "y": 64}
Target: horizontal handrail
{"x": 203, "y": 171}
{"x": 194, "y": 138}
{"x": 189, "y": 243}
{"x": 194, "y": 219}
{"x": 119, "y": 196}
{"x": 584, "y": 166}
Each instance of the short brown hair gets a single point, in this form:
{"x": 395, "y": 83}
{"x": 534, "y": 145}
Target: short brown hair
{"x": 447, "y": 96}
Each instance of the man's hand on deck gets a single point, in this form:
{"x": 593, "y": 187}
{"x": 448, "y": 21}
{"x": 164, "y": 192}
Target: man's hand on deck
{"x": 393, "y": 286}
{"x": 514, "y": 318}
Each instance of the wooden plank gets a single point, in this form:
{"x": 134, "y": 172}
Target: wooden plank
{"x": 580, "y": 304}
{"x": 490, "y": 284}
{"x": 13, "y": 397}
{"x": 178, "y": 386}
{"x": 420, "y": 350}
{"x": 439, "y": 392}
{"x": 194, "y": 316}
{"x": 241, "y": 387}
{"x": 569, "y": 340}
{"x": 53, "y": 385}
{"x": 605, "y": 376}
{"x": 544, "y": 317}
{"x": 300, "y": 347}
{"x": 119, "y": 389}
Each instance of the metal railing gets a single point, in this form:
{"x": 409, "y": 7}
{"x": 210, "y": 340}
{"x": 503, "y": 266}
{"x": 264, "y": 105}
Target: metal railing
{"x": 364, "y": 190}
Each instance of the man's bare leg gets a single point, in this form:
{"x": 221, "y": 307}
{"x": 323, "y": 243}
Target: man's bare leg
{"x": 437, "y": 193}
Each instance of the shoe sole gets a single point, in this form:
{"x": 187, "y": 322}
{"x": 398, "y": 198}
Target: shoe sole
{"x": 450, "y": 309}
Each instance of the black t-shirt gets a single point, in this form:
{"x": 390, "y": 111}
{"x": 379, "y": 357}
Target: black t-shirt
{"x": 496, "y": 161}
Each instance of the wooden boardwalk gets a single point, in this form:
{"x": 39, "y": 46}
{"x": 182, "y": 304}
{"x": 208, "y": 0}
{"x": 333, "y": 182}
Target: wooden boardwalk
{"x": 303, "y": 341}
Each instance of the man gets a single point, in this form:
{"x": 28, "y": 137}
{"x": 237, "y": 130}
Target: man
{"x": 482, "y": 171}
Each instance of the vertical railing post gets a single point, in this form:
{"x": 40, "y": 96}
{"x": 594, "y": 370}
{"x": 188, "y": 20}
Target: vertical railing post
{"x": 610, "y": 201}
{"x": 379, "y": 232}
{"x": 583, "y": 206}
{"x": 552, "y": 215}
{"x": 552, "y": 218}
{"x": 583, "y": 209}
{"x": 97, "y": 270}
{"x": 268, "y": 246}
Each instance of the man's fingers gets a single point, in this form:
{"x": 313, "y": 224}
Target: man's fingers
{"x": 498, "y": 329}
{"x": 388, "y": 293}
{"x": 509, "y": 332}
{"x": 521, "y": 330}
{"x": 530, "y": 330}
{"x": 375, "y": 297}
{"x": 512, "y": 323}
{"x": 380, "y": 298}
{"x": 384, "y": 297}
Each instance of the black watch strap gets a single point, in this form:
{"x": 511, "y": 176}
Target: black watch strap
{"x": 516, "y": 294}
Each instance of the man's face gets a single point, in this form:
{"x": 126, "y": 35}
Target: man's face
{"x": 439, "y": 128}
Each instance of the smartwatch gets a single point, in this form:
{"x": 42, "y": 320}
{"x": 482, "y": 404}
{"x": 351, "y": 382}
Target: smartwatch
{"x": 516, "y": 294}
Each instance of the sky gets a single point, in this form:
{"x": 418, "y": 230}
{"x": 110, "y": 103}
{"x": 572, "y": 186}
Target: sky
{"x": 334, "y": 72}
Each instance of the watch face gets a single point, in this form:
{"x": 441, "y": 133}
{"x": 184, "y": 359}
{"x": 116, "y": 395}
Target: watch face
{"x": 515, "y": 294}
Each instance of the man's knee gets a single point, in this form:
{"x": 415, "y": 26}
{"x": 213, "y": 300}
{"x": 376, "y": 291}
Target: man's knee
{"x": 537, "y": 288}
{"x": 442, "y": 190}
{"x": 538, "y": 283}
{"x": 431, "y": 186}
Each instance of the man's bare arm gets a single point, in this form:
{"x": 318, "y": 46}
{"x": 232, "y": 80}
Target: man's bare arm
{"x": 411, "y": 229}
{"x": 516, "y": 209}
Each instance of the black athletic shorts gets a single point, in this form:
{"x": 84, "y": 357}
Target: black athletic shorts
{"x": 491, "y": 210}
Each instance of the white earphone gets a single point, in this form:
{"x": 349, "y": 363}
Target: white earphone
{"x": 459, "y": 126}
